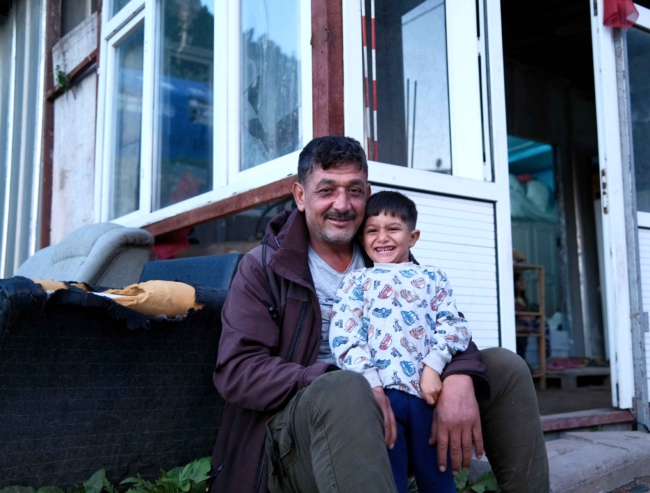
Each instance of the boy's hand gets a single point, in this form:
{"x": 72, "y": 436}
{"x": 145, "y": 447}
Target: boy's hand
{"x": 430, "y": 385}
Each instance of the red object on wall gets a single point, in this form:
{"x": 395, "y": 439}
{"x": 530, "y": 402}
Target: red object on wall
{"x": 620, "y": 13}
{"x": 171, "y": 244}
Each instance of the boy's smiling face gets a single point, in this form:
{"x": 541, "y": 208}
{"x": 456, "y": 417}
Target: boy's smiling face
{"x": 387, "y": 238}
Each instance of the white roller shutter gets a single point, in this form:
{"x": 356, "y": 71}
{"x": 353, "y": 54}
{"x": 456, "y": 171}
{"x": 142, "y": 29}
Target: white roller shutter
{"x": 458, "y": 236}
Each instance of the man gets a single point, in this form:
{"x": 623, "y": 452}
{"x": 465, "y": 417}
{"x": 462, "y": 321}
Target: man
{"x": 293, "y": 422}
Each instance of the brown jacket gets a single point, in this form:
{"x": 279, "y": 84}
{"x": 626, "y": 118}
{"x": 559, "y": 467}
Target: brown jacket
{"x": 263, "y": 362}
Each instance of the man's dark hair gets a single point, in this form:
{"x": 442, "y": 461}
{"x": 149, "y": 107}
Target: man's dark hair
{"x": 395, "y": 204}
{"x": 330, "y": 152}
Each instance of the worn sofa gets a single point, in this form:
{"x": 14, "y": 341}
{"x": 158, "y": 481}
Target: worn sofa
{"x": 87, "y": 385}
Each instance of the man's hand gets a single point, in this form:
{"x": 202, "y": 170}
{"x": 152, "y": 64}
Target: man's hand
{"x": 389, "y": 418}
{"x": 430, "y": 385}
{"x": 457, "y": 423}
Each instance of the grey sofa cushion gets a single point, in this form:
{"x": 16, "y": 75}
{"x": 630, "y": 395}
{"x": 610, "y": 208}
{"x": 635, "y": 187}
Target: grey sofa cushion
{"x": 105, "y": 253}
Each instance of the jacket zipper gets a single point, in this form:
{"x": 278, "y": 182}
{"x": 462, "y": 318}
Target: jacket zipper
{"x": 311, "y": 353}
{"x": 296, "y": 338}
{"x": 213, "y": 476}
{"x": 259, "y": 475}
{"x": 294, "y": 344}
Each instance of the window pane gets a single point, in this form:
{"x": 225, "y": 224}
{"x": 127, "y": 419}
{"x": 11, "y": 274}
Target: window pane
{"x": 185, "y": 85}
{"x": 271, "y": 104}
{"x": 406, "y": 100}
{"x": 118, "y": 5}
{"x": 638, "y": 49}
{"x": 128, "y": 124}
{"x": 74, "y": 12}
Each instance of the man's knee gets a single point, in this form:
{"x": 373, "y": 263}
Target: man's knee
{"x": 338, "y": 385}
{"x": 340, "y": 392}
{"x": 502, "y": 363}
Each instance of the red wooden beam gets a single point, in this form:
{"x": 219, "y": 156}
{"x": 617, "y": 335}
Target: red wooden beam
{"x": 73, "y": 75}
{"x": 52, "y": 36}
{"x": 237, "y": 203}
{"x": 585, "y": 419}
{"x": 327, "y": 66}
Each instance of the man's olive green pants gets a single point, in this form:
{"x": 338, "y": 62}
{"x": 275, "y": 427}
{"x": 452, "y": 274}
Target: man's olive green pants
{"x": 330, "y": 438}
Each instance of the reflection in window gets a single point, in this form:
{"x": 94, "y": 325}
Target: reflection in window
{"x": 74, "y": 12}
{"x": 185, "y": 116}
{"x": 271, "y": 104}
{"x": 118, "y": 5}
{"x": 128, "y": 124}
{"x": 407, "y": 102}
{"x": 239, "y": 233}
{"x": 638, "y": 50}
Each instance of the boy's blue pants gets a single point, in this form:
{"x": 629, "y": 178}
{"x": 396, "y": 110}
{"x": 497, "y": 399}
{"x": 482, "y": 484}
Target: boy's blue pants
{"x": 414, "y": 418}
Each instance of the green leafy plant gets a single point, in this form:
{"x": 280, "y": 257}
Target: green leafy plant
{"x": 486, "y": 482}
{"x": 190, "y": 478}
{"x": 62, "y": 79}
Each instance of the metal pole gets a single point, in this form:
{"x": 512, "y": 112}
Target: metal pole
{"x": 364, "y": 39}
{"x": 374, "y": 82}
{"x": 408, "y": 104}
{"x": 638, "y": 322}
{"x": 415, "y": 102}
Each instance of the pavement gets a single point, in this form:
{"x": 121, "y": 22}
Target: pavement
{"x": 594, "y": 462}
{"x": 597, "y": 461}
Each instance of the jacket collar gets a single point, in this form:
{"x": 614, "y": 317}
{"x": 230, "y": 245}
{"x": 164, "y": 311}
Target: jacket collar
{"x": 291, "y": 259}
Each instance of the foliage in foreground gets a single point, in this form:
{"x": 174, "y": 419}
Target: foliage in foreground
{"x": 189, "y": 479}
{"x": 192, "y": 479}
{"x": 485, "y": 483}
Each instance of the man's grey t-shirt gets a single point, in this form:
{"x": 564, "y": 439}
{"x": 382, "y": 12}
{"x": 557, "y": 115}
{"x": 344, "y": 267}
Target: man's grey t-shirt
{"x": 327, "y": 282}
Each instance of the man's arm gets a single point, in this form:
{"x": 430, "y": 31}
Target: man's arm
{"x": 247, "y": 372}
{"x": 457, "y": 423}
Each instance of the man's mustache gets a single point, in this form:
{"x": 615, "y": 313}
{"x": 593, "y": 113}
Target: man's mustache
{"x": 340, "y": 216}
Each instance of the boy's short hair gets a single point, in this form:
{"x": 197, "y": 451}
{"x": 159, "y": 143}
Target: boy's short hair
{"x": 395, "y": 204}
{"x": 329, "y": 152}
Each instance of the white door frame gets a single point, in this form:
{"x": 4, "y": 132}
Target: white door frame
{"x": 616, "y": 193}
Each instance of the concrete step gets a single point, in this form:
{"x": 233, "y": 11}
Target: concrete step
{"x": 590, "y": 462}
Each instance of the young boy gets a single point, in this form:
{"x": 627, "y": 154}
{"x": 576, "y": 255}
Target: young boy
{"x": 397, "y": 324}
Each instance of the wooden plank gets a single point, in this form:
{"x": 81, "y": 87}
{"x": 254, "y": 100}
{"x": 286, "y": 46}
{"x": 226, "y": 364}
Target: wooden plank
{"x": 327, "y": 67}
{"x": 584, "y": 419}
{"x": 52, "y": 36}
{"x": 237, "y": 203}
{"x": 74, "y": 74}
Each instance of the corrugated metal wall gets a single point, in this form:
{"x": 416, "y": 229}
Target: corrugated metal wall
{"x": 458, "y": 236}
{"x": 644, "y": 259}
{"x": 21, "y": 131}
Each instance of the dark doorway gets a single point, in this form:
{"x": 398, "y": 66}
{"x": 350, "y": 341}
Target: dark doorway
{"x": 550, "y": 102}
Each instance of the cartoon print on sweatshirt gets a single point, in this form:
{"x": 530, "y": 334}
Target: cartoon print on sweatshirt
{"x": 390, "y": 320}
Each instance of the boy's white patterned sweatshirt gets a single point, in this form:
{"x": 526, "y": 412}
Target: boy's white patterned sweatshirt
{"x": 390, "y": 320}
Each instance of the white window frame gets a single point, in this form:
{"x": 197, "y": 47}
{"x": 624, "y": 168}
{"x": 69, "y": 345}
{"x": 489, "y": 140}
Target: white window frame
{"x": 228, "y": 179}
{"x": 467, "y": 103}
{"x": 471, "y": 177}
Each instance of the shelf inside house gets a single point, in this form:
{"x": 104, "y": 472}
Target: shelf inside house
{"x": 540, "y": 315}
